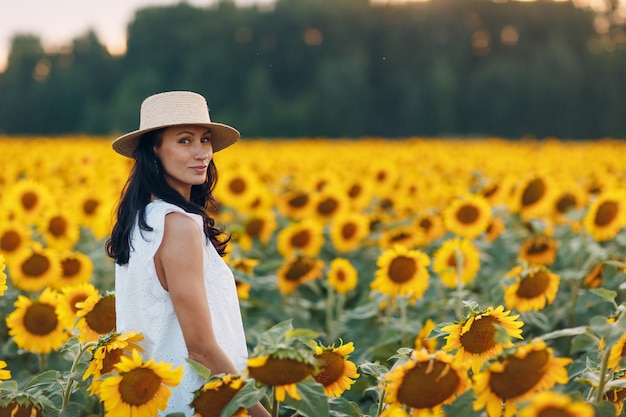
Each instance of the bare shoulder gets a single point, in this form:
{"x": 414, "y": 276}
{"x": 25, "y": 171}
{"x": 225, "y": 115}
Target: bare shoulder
{"x": 180, "y": 226}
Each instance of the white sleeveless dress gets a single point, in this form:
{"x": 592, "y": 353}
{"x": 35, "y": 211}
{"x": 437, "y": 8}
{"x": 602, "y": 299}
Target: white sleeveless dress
{"x": 144, "y": 306}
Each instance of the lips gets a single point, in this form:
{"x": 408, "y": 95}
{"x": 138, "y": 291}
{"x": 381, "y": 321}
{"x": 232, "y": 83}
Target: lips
{"x": 199, "y": 169}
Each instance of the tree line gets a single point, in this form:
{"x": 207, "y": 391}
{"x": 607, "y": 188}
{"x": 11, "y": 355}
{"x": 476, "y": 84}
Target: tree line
{"x": 337, "y": 68}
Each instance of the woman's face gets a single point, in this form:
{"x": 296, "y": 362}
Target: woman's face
{"x": 185, "y": 152}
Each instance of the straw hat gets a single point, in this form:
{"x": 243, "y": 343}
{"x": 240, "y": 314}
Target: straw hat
{"x": 175, "y": 108}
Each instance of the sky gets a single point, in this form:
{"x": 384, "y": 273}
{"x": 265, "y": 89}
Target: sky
{"x": 58, "y": 22}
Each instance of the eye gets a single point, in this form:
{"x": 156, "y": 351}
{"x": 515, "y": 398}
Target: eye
{"x": 184, "y": 140}
{"x": 206, "y": 139}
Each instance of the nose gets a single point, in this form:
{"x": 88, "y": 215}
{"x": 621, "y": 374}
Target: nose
{"x": 204, "y": 151}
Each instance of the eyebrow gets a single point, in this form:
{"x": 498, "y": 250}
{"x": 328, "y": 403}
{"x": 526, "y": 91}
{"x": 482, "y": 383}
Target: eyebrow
{"x": 188, "y": 132}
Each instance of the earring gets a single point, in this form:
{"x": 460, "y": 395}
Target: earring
{"x": 156, "y": 165}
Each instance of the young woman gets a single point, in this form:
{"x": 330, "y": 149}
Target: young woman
{"x": 171, "y": 283}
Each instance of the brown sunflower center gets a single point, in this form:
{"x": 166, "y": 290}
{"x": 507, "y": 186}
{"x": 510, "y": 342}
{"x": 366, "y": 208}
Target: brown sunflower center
{"x": 280, "y": 371}
{"x": 533, "y": 285}
{"x": 331, "y": 368}
{"x": 301, "y": 239}
{"x": 90, "y": 206}
{"x": 71, "y": 267}
{"x": 110, "y": 359}
{"x": 520, "y": 375}
{"x": 490, "y": 190}
{"x": 565, "y": 203}
{"x": 254, "y": 227}
{"x": 210, "y": 403}
{"x": 348, "y": 230}
{"x": 76, "y": 299}
{"x": 425, "y": 224}
{"x": 29, "y": 200}
{"x": 10, "y": 241}
{"x": 139, "y": 386}
{"x": 328, "y": 206}
{"x": 299, "y": 269}
{"x": 341, "y": 276}
{"x": 467, "y": 214}
{"x": 355, "y": 191}
{"x": 36, "y": 265}
{"x": 481, "y": 335}
{"x": 537, "y": 248}
{"x": 101, "y": 318}
{"x": 298, "y": 201}
{"x": 57, "y": 226}
{"x": 427, "y": 385}
{"x": 533, "y": 192}
{"x": 237, "y": 186}
{"x": 402, "y": 269}
{"x": 14, "y": 409}
{"x": 606, "y": 214}
{"x": 40, "y": 319}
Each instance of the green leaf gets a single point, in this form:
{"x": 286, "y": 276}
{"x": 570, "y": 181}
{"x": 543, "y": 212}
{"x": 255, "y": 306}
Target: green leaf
{"x": 176, "y": 414}
{"x": 72, "y": 410}
{"x": 203, "y": 371}
{"x": 604, "y": 409}
{"x": 340, "y": 407}
{"x": 606, "y": 295}
{"x": 313, "y": 402}
{"x": 44, "y": 378}
{"x": 276, "y": 334}
{"x": 246, "y": 397}
{"x": 572, "y": 331}
{"x": 375, "y": 369}
{"x": 8, "y": 385}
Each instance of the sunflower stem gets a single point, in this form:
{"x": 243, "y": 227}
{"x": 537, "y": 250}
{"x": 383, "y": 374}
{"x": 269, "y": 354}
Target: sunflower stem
{"x": 42, "y": 359}
{"x": 403, "y": 321}
{"x": 459, "y": 282}
{"x": 381, "y": 401}
{"x": 330, "y": 304}
{"x": 275, "y": 405}
{"x": 603, "y": 369}
{"x": 70, "y": 384}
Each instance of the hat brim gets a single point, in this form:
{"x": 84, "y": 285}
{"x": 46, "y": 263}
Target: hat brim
{"x": 222, "y": 136}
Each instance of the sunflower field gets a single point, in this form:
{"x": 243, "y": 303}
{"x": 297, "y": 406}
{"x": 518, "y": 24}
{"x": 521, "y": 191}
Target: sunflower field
{"x": 377, "y": 277}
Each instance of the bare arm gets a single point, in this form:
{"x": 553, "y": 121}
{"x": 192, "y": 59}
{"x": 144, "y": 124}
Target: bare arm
{"x": 179, "y": 265}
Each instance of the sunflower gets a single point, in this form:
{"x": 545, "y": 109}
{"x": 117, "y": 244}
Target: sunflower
{"x": 297, "y": 270}
{"x": 407, "y": 236}
{"x": 68, "y": 298}
{"x": 533, "y": 197}
{"x": 495, "y": 228}
{"x": 570, "y": 197}
{"x": 425, "y": 381}
{"x": 401, "y": 272}
{"x": 77, "y": 269}
{"x": 305, "y": 237}
{"x": 549, "y": 403}
{"x": 237, "y": 188}
{"x": 94, "y": 210}
{"x": 259, "y": 227}
{"x": 14, "y": 238}
{"x": 328, "y": 203}
{"x": 23, "y": 406}
{"x": 348, "y": 229}
{"x": 517, "y": 376}
{"x": 457, "y": 260}
{"x": 35, "y": 268}
{"x": 594, "y": 278}
{"x": 431, "y": 225}
{"x": 342, "y": 276}
{"x": 422, "y": 340}
{"x": 539, "y": 250}
{"x": 281, "y": 373}
{"x": 59, "y": 228}
{"x": 210, "y": 399}
{"x": 140, "y": 388}
{"x": 108, "y": 352}
{"x": 35, "y": 325}
{"x": 605, "y": 216}
{"x": 617, "y": 394}
{"x": 532, "y": 289}
{"x": 29, "y": 198}
{"x": 295, "y": 204}
{"x": 4, "y": 373}
{"x": 359, "y": 193}
{"x": 96, "y": 317}
{"x": 336, "y": 372}
{"x": 467, "y": 216}
{"x": 618, "y": 351}
{"x": 3, "y": 276}
{"x": 482, "y": 335}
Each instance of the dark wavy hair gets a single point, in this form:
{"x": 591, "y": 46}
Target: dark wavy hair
{"x": 146, "y": 180}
